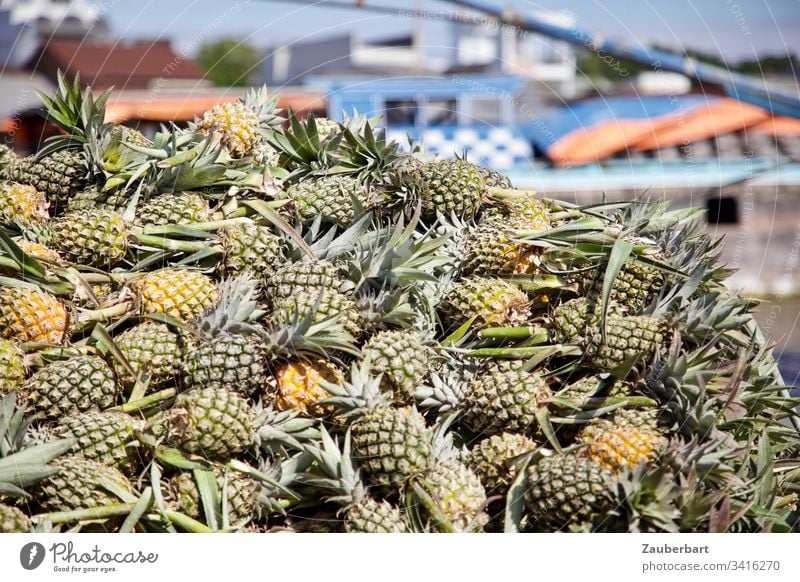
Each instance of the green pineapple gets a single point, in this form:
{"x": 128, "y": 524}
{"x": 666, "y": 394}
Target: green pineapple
{"x": 153, "y": 349}
{"x": 82, "y": 484}
{"x": 59, "y": 175}
{"x": 91, "y": 198}
{"x": 12, "y": 520}
{"x": 8, "y": 159}
{"x": 12, "y": 366}
{"x": 309, "y": 275}
{"x": 495, "y": 179}
{"x": 504, "y": 400}
{"x": 456, "y": 493}
{"x": 22, "y": 204}
{"x": 493, "y": 460}
{"x": 177, "y": 208}
{"x": 341, "y": 483}
{"x": 333, "y": 198}
{"x": 324, "y": 306}
{"x": 210, "y": 422}
{"x": 636, "y": 285}
{"x": 183, "y": 494}
{"x": 390, "y": 444}
{"x": 251, "y": 248}
{"x": 98, "y": 238}
{"x": 492, "y": 302}
{"x": 564, "y": 490}
{"x": 78, "y": 384}
{"x": 107, "y": 437}
{"x": 491, "y": 249}
{"x": 451, "y": 186}
{"x": 402, "y": 359}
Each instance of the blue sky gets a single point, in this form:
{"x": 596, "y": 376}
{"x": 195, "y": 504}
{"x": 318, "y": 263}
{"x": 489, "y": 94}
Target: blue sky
{"x": 735, "y": 29}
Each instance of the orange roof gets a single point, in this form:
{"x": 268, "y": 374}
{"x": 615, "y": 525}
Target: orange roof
{"x": 777, "y": 126}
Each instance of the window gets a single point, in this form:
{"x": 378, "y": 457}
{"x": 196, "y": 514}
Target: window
{"x": 442, "y": 112}
{"x": 401, "y": 112}
{"x": 722, "y": 210}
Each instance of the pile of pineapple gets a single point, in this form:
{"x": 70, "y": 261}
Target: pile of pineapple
{"x": 260, "y": 323}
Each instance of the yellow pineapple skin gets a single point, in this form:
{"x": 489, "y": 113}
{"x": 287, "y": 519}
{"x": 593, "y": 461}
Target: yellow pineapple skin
{"x": 29, "y": 315}
{"x": 180, "y": 293}
{"x": 237, "y": 125}
{"x": 39, "y": 251}
{"x": 22, "y": 204}
{"x": 623, "y": 447}
{"x": 299, "y": 384}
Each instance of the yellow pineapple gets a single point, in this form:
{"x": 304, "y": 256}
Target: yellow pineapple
{"x": 179, "y": 293}
{"x": 298, "y": 384}
{"x": 29, "y": 315}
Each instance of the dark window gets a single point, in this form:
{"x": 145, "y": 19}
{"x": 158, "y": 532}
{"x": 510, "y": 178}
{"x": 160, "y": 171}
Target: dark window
{"x": 442, "y": 112}
{"x": 401, "y": 112}
{"x": 722, "y": 210}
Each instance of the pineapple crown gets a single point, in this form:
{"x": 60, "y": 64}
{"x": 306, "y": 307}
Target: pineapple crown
{"x": 334, "y": 472}
{"x": 358, "y": 395}
{"x": 302, "y": 149}
{"x": 265, "y": 107}
{"x": 236, "y": 310}
{"x": 282, "y": 431}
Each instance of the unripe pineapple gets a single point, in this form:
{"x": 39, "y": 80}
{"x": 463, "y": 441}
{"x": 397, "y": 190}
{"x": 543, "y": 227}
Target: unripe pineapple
{"x": 12, "y": 366}
{"x": 533, "y": 211}
{"x": 458, "y": 493}
{"x": 583, "y": 389}
{"x": 22, "y": 204}
{"x": 325, "y": 306}
{"x": 107, "y": 437}
{"x": 178, "y": 208}
{"x": 28, "y": 315}
{"x": 504, "y": 400}
{"x": 81, "y": 484}
{"x": 78, "y": 384}
{"x": 182, "y": 493}
{"x": 12, "y": 520}
{"x": 620, "y": 447}
{"x": 326, "y": 127}
{"x": 493, "y": 458}
{"x": 402, "y": 358}
{"x": 152, "y": 348}
{"x": 495, "y": 179}
{"x": 39, "y": 251}
{"x": 236, "y": 124}
{"x": 309, "y": 275}
{"x": 227, "y": 361}
{"x": 8, "y": 159}
{"x": 492, "y": 250}
{"x": 332, "y": 197}
{"x": 210, "y": 422}
{"x": 451, "y": 186}
{"x": 98, "y": 238}
{"x": 251, "y": 248}
{"x": 59, "y": 175}
{"x": 179, "y": 293}
{"x": 636, "y": 285}
{"x": 298, "y": 384}
{"x": 493, "y": 302}
{"x": 374, "y": 516}
{"x": 565, "y": 490}
{"x": 91, "y": 198}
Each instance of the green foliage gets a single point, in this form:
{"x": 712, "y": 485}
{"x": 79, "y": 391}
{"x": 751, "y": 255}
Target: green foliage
{"x": 229, "y": 62}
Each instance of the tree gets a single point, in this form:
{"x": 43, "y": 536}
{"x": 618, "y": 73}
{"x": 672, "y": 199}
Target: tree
{"x": 229, "y": 62}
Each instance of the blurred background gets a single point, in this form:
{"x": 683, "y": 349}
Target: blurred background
{"x": 693, "y": 101}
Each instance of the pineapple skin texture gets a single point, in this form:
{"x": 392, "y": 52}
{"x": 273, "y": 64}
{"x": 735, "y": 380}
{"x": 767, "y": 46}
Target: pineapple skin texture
{"x": 28, "y": 315}
{"x": 179, "y": 293}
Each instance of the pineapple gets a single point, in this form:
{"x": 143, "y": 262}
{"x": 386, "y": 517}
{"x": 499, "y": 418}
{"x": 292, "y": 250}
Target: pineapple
{"x": 326, "y": 127}
{"x": 334, "y": 198}
{"x": 78, "y": 384}
{"x": 180, "y": 293}
{"x": 183, "y": 494}
{"x": 28, "y": 315}
{"x": 451, "y": 186}
{"x": 309, "y": 275}
{"x": 491, "y": 249}
{"x": 504, "y": 400}
{"x": 493, "y": 460}
{"x": 620, "y": 447}
{"x": 492, "y": 302}
{"x": 153, "y": 349}
{"x": 40, "y": 252}
{"x": 82, "y": 484}
{"x": 12, "y": 366}
{"x": 12, "y": 520}
{"x": 107, "y": 437}
{"x": 402, "y": 359}
{"x": 97, "y": 238}
{"x": 59, "y": 175}
{"x": 457, "y": 493}
{"x": 495, "y": 179}
{"x": 637, "y": 285}
{"x": 22, "y": 204}
{"x": 8, "y": 159}
{"x": 91, "y": 198}
{"x": 391, "y": 445}
{"x": 210, "y": 422}
{"x": 564, "y": 490}
{"x": 325, "y": 306}
{"x": 298, "y": 384}
{"x": 341, "y": 482}
{"x": 178, "y": 208}
{"x": 251, "y": 248}
{"x": 241, "y": 125}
